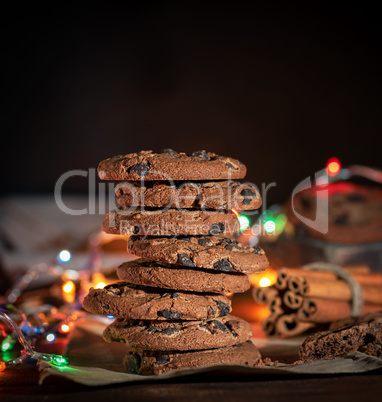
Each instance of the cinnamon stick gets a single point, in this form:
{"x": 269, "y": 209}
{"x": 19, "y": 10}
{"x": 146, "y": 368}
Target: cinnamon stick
{"x": 264, "y": 295}
{"x": 325, "y": 311}
{"x": 281, "y": 281}
{"x": 292, "y": 300}
{"x": 269, "y": 324}
{"x": 297, "y": 284}
{"x": 275, "y": 306}
{"x": 288, "y": 325}
{"x": 335, "y": 290}
{"x": 371, "y": 278}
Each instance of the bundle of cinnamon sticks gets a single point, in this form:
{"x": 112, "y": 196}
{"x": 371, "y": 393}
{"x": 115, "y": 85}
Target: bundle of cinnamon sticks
{"x": 304, "y": 299}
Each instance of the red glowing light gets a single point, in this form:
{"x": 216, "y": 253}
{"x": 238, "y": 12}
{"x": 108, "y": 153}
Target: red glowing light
{"x": 235, "y": 212}
{"x": 333, "y": 166}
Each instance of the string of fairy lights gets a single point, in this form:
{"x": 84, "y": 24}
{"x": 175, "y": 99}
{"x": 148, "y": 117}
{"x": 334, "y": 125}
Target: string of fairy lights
{"x": 46, "y": 323}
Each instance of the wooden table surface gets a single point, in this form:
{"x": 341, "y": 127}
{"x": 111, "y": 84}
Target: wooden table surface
{"x": 21, "y": 383}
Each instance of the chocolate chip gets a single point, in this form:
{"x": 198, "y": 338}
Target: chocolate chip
{"x": 205, "y": 328}
{"x": 341, "y": 220}
{"x": 137, "y": 229}
{"x": 201, "y": 154}
{"x": 170, "y": 315}
{"x": 257, "y": 250}
{"x": 106, "y": 306}
{"x": 231, "y": 245}
{"x": 174, "y": 295}
{"x": 224, "y": 308}
{"x": 170, "y": 331}
{"x": 186, "y": 239}
{"x": 248, "y": 195}
{"x": 141, "y": 169}
{"x": 223, "y": 265}
{"x": 128, "y": 323}
{"x": 162, "y": 359}
{"x": 169, "y": 151}
{"x": 211, "y": 311}
{"x": 204, "y": 242}
{"x": 134, "y": 363}
{"x": 153, "y": 329}
{"x": 356, "y": 198}
{"x": 230, "y": 166}
{"x": 185, "y": 260}
{"x": 220, "y": 326}
{"x": 216, "y": 229}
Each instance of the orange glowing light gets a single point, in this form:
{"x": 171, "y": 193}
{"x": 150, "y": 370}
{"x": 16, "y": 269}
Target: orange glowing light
{"x": 68, "y": 287}
{"x": 2, "y": 366}
{"x": 263, "y": 279}
{"x": 69, "y": 292}
{"x": 228, "y": 294}
{"x": 65, "y": 328}
{"x": 333, "y": 166}
{"x": 99, "y": 280}
{"x": 265, "y": 282}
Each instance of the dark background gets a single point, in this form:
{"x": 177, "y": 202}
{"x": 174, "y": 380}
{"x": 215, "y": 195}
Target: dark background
{"x": 281, "y": 87}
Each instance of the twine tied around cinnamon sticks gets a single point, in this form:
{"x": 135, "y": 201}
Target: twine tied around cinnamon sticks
{"x": 357, "y": 300}
{"x": 315, "y": 295}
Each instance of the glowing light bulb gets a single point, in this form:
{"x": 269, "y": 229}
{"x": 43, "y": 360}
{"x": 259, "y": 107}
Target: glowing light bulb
{"x": 235, "y": 212}
{"x": 65, "y": 328}
{"x": 269, "y": 226}
{"x": 244, "y": 222}
{"x": 50, "y": 337}
{"x": 8, "y": 343}
{"x": 64, "y": 256}
{"x": 68, "y": 287}
{"x": 265, "y": 282}
{"x": 60, "y": 361}
{"x": 98, "y": 280}
{"x": 333, "y": 166}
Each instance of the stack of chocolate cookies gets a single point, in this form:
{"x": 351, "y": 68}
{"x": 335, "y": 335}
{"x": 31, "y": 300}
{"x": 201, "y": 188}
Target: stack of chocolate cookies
{"x": 171, "y": 309}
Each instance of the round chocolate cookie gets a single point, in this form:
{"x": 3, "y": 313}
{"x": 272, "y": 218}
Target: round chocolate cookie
{"x": 151, "y": 273}
{"x": 146, "y": 362}
{"x": 169, "y": 222}
{"x": 137, "y": 302}
{"x": 221, "y": 254}
{"x": 171, "y": 165}
{"x": 354, "y": 213}
{"x": 212, "y": 195}
{"x": 179, "y": 335}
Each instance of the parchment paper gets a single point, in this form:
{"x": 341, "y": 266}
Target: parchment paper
{"x": 94, "y": 362}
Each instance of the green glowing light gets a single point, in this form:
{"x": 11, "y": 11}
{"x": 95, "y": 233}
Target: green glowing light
{"x": 7, "y": 344}
{"x": 270, "y": 226}
{"x": 59, "y": 360}
{"x": 244, "y": 222}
